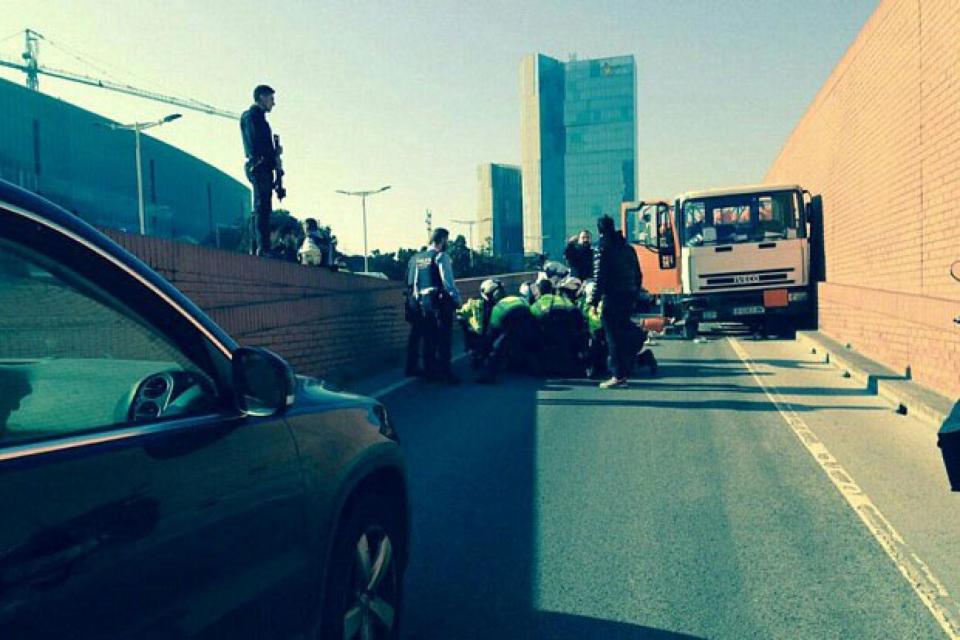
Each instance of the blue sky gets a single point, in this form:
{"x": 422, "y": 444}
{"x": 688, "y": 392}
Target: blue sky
{"x": 416, "y": 94}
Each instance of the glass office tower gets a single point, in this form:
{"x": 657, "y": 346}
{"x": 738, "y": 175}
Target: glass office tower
{"x": 578, "y": 145}
{"x": 500, "y": 210}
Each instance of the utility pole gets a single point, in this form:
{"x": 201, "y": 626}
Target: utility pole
{"x": 429, "y": 221}
{"x": 30, "y": 58}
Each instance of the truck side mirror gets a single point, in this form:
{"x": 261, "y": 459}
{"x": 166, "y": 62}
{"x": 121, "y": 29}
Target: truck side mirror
{"x": 815, "y": 211}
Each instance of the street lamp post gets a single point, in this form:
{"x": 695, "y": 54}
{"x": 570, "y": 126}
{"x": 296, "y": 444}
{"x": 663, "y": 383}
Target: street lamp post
{"x": 137, "y": 127}
{"x": 363, "y": 201}
{"x": 470, "y": 224}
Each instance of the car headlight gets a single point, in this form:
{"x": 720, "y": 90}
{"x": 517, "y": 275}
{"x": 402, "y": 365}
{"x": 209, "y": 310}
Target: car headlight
{"x": 798, "y": 296}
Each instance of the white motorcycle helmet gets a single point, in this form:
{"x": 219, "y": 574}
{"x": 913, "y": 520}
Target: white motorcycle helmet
{"x": 492, "y": 290}
{"x": 555, "y": 271}
{"x": 570, "y": 286}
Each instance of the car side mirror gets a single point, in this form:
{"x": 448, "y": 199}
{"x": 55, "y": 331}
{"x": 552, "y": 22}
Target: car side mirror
{"x": 263, "y": 382}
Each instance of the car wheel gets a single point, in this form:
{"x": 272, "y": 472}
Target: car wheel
{"x": 364, "y": 587}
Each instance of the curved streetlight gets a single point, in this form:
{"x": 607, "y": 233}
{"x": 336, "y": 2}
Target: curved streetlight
{"x": 363, "y": 200}
{"x": 470, "y": 224}
{"x": 137, "y": 127}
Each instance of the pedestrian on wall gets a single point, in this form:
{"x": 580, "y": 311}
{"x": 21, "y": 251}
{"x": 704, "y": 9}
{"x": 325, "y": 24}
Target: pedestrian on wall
{"x": 431, "y": 282}
{"x": 310, "y": 251}
{"x": 618, "y": 280}
{"x": 579, "y": 256}
{"x": 260, "y": 165}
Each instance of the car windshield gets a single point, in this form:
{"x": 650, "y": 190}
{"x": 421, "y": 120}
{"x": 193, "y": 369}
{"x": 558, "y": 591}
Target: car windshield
{"x": 741, "y": 218}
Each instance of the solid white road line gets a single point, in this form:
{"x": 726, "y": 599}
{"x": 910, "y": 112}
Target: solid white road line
{"x": 930, "y": 590}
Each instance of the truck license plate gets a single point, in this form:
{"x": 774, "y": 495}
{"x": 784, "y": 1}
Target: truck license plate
{"x": 747, "y": 311}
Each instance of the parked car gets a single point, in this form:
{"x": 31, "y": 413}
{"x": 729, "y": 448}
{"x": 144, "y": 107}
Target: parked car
{"x": 159, "y": 481}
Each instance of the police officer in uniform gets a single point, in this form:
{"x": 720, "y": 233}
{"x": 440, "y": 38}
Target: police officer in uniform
{"x": 563, "y": 332}
{"x": 511, "y": 331}
{"x": 431, "y": 282}
{"x": 474, "y": 317}
{"x": 260, "y": 165}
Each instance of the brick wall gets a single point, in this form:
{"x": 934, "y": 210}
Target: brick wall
{"x": 337, "y": 326}
{"x": 881, "y": 144}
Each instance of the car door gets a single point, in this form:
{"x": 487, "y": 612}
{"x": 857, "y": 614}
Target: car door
{"x": 135, "y": 500}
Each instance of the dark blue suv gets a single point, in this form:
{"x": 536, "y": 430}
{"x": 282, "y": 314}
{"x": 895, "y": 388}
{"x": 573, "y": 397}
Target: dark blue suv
{"x": 159, "y": 481}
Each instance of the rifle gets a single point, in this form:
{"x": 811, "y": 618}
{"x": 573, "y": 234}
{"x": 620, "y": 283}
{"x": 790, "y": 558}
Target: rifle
{"x": 278, "y": 183}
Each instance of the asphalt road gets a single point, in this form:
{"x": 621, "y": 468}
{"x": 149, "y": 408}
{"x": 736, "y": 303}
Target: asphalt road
{"x": 684, "y": 506}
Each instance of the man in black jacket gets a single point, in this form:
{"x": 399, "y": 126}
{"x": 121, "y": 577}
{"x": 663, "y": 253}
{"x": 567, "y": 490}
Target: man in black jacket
{"x": 618, "y": 280}
{"x": 579, "y": 256}
{"x": 260, "y": 165}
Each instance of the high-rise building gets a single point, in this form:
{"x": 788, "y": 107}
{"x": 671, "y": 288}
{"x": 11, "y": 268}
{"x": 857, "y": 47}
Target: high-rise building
{"x": 578, "y": 141}
{"x": 500, "y": 210}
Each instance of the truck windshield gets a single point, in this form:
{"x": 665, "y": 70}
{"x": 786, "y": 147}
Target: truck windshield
{"x": 753, "y": 217}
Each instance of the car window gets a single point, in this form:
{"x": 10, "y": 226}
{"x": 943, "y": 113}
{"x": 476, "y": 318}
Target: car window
{"x": 73, "y": 358}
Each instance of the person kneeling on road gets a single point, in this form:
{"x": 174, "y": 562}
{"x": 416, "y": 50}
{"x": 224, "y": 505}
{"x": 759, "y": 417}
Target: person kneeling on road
{"x": 474, "y": 318}
{"x": 597, "y": 351}
{"x": 563, "y": 334}
{"x": 512, "y": 336}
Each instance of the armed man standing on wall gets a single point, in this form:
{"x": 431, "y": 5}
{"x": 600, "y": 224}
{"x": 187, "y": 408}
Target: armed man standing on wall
{"x": 431, "y": 282}
{"x": 261, "y": 162}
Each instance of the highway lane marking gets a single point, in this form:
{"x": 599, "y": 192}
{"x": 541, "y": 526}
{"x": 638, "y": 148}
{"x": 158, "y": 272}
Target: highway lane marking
{"x": 390, "y": 388}
{"x": 924, "y": 583}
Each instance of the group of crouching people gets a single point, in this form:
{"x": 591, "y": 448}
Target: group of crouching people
{"x": 553, "y": 326}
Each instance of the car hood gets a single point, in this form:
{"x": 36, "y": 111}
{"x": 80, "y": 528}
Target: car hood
{"x": 312, "y": 394}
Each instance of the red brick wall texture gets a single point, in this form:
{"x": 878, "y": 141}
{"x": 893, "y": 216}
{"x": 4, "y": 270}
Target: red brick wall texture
{"x": 337, "y": 326}
{"x": 881, "y": 144}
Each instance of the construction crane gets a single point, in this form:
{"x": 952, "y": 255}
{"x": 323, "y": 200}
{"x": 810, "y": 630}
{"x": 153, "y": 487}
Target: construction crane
{"x": 31, "y": 66}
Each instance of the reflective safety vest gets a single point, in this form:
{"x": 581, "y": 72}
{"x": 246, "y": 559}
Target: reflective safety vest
{"x": 505, "y": 307}
{"x": 549, "y": 302}
{"x": 592, "y": 315}
{"x": 472, "y": 313}
{"x": 427, "y": 271}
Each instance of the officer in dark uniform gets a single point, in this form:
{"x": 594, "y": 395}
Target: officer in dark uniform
{"x": 431, "y": 283}
{"x": 260, "y": 165}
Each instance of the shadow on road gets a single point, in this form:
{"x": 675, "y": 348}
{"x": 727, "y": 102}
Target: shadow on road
{"x": 559, "y": 626}
{"x": 784, "y": 364}
{"x": 473, "y": 567}
{"x": 472, "y": 477}
{"x": 700, "y": 405}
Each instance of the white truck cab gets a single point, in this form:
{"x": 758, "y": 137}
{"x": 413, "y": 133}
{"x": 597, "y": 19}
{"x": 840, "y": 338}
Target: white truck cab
{"x": 745, "y": 256}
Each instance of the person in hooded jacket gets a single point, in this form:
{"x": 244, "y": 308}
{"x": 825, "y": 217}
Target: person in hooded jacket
{"x": 618, "y": 280}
